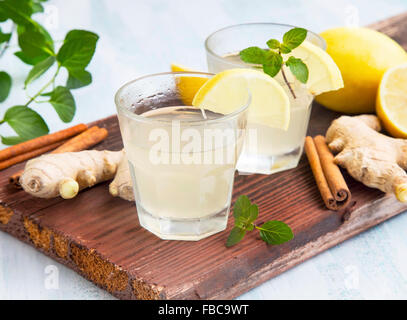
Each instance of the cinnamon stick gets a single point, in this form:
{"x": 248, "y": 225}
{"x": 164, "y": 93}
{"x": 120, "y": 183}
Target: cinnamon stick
{"x": 331, "y": 184}
{"x": 81, "y": 142}
{"x": 28, "y": 155}
{"x": 40, "y": 142}
{"x": 84, "y": 140}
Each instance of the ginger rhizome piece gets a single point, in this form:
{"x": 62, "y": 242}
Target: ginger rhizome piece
{"x": 122, "y": 185}
{"x": 376, "y": 160}
{"x": 65, "y": 174}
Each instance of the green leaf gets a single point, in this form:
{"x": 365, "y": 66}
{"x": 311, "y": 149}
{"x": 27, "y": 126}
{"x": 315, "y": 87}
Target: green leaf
{"x": 27, "y": 123}
{"x": 12, "y": 140}
{"x": 36, "y": 27}
{"x": 242, "y": 204}
{"x": 235, "y": 236}
{"x": 19, "y": 11}
{"x": 78, "y": 79}
{"x": 63, "y": 103}
{"x": 28, "y": 60}
{"x": 253, "y": 55}
{"x": 284, "y": 49}
{"x": 37, "y": 7}
{"x": 275, "y": 232}
{"x": 4, "y": 37}
{"x": 294, "y": 37}
{"x": 273, "y": 44}
{"x": 77, "y": 50}
{"x": 245, "y": 213}
{"x": 33, "y": 43}
{"x": 5, "y": 85}
{"x": 298, "y": 69}
{"x": 273, "y": 64}
{"x": 39, "y": 69}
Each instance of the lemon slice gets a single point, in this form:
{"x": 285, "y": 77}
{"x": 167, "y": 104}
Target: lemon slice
{"x": 324, "y": 74}
{"x": 228, "y": 90}
{"x": 178, "y": 68}
{"x": 187, "y": 86}
{"x": 391, "y": 104}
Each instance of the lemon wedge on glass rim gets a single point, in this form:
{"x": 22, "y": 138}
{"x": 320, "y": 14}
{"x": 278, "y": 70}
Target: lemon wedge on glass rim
{"x": 187, "y": 86}
{"x": 324, "y": 74}
{"x": 228, "y": 90}
{"x": 391, "y": 101}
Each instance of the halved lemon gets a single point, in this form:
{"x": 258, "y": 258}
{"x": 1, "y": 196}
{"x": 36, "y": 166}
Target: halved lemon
{"x": 391, "y": 101}
{"x": 187, "y": 86}
{"x": 228, "y": 90}
{"x": 324, "y": 74}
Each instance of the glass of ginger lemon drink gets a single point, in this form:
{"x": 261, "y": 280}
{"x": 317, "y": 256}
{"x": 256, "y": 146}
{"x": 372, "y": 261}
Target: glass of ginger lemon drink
{"x": 182, "y": 159}
{"x": 269, "y": 149}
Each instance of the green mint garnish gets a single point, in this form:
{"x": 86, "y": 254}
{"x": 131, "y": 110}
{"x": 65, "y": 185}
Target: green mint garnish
{"x": 272, "y": 60}
{"x": 294, "y": 37}
{"x": 298, "y": 68}
{"x": 48, "y": 59}
{"x": 275, "y": 232}
{"x": 245, "y": 214}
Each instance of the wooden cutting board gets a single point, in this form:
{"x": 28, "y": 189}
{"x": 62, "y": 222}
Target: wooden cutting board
{"x": 99, "y": 236}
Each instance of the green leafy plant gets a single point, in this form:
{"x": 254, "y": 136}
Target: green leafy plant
{"x": 245, "y": 214}
{"x": 272, "y": 59}
{"x": 37, "y": 48}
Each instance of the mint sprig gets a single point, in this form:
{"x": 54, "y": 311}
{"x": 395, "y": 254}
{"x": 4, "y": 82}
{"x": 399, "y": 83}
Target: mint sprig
{"x": 245, "y": 214}
{"x": 37, "y": 48}
{"x": 272, "y": 59}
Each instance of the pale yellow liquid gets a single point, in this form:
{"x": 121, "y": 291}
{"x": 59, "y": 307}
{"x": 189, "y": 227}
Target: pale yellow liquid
{"x": 277, "y": 149}
{"x": 178, "y": 190}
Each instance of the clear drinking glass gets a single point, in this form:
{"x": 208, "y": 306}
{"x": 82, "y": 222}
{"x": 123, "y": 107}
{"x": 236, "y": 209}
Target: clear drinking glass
{"x": 266, "y": 150}
{"x": 182, "y": 159}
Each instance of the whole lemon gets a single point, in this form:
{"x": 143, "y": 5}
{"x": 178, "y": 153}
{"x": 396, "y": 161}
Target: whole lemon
{"x": 362, "y": 55}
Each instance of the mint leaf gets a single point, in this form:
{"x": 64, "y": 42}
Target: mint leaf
{"x": 19, "y": 11}
{"x": 77, "y": 50}
{"x": 27, "y": 123}
{"x": 37, "y": 7}
{"x": 298, "y": 69}
{"x": 78, "y": 79}
{"x": 273, "y": 64}
{"x": 39, "y": 69}
{"x": 242, "y": 204}
{"x": 39, "y": 28}
{"x": 253, "y": 55}
{"x": 275, "y": 232}
{"x": 245, "y": 221}
{"x": 63, "y": 103}
{"x": 245, "y": 213}
{"x": 28, "y": 60}
{"x": 273, "y": 44}
{"x": 33, "y": 43}
{"x": 235, "y": 236}
{"x": 284, "y": 49}
{"x": 5, "y": 85}
{"x": 4, "y": 37}
{"x": 12, "y": 140}
{"x": 294, "y": 37}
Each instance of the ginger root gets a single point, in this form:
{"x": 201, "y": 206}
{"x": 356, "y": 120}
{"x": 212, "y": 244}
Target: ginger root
{"x": 65, "y": 174}
{"x": 122, "y": 186}
{"x": 376, "y": 160}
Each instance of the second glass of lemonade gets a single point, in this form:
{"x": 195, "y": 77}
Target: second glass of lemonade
{"x": 182, "y": 159}
{"x": 266, "y": 150}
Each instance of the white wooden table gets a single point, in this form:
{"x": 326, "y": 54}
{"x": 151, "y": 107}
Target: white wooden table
{"x": 142, "y": 36}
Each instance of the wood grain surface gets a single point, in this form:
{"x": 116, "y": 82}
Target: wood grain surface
{"x": 100, "y": 238}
